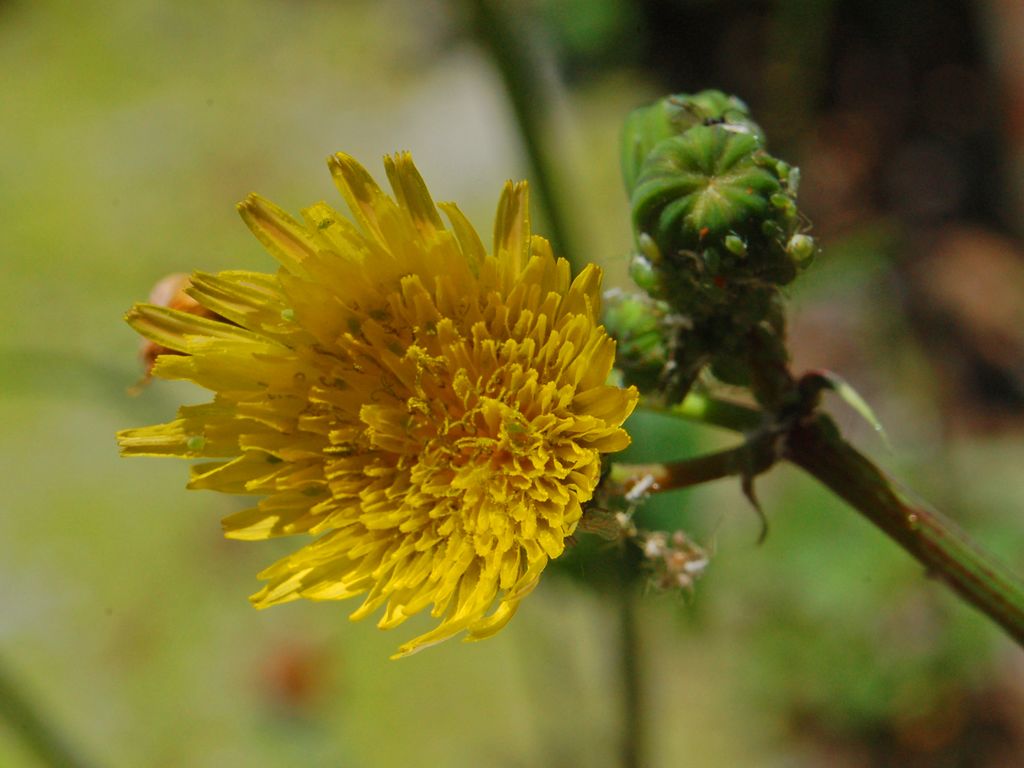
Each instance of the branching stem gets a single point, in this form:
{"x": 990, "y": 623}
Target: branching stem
{"x": 814, "y": 444}
{"x": 668, "y": 476}
{"x": 933, "y": 539}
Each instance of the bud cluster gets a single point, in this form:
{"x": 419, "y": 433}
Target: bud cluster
{"x": 717, "y": 229}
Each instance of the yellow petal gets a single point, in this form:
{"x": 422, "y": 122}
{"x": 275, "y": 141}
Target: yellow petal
{"x": 285, "y": 238}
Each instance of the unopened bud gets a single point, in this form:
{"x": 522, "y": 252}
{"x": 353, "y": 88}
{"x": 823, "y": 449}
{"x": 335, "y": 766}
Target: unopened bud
{"x": 735, "y": 245}
{"x": 642, "y": 328}
{"x": 802, "y": 248}
{"x": 717, "y": 230}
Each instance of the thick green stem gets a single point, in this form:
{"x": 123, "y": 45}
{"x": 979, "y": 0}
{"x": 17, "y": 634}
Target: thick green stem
{"x": 937, "y": 542}
{"x": 514, "y": 55}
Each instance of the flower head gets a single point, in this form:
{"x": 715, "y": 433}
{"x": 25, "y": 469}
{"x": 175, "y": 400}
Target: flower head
{"x": 434, "y": 414}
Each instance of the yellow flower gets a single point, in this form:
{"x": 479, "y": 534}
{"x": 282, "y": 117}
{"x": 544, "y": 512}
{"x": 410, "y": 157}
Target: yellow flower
{"x": 433, "y": 413}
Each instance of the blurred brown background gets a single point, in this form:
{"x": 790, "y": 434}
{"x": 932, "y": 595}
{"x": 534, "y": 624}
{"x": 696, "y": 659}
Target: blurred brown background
{"x": 128, "y": 129}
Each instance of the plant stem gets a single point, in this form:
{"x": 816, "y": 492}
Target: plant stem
{"x": 714, "y": 411}
{"x": 32, "y": 728}
{"x": 934, "y": 540}
{"x": 632, "y": 681}
{"x": 514, "y": 54}
{"x": 679, "y": 474}
{"x": 815, "y": 445}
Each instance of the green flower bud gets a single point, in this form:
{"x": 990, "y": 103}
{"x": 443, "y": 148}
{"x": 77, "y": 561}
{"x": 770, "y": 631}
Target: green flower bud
{"x": 735, "y": 245}
{"x": 710, "y": 185}
{"x": 640, "y": 326}
{"x": 699, "y": 187}
{"x": 645, "y": 275}
{"x": 716, "y": 221}
{"x": 802, "y": 248}
{"x": 647, "y": 127}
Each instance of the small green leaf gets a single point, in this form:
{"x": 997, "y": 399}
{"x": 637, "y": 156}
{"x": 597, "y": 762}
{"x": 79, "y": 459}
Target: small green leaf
{"x": 852, "y": 398}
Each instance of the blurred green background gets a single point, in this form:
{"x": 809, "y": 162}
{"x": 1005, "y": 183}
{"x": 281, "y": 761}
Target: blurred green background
{"x": 129, "y": 128}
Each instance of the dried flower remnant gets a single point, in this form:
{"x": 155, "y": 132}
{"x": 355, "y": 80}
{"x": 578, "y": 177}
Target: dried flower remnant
{"x": 433, "y": 413}
{"x": 674, "y": 560}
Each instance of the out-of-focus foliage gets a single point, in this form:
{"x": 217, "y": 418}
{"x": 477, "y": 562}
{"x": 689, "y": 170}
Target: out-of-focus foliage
{"x": 130, "y": 129}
